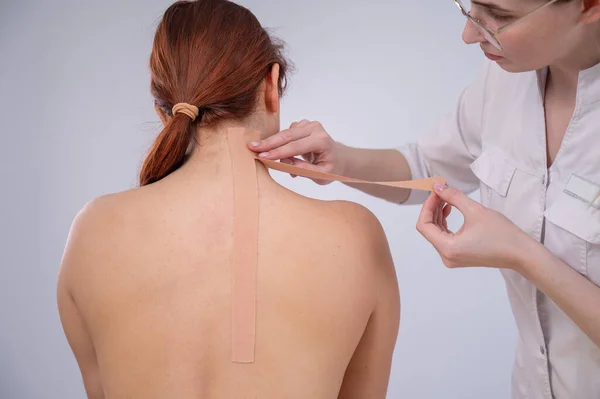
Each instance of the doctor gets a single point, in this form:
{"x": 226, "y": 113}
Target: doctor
{"x": 527, "y": 133}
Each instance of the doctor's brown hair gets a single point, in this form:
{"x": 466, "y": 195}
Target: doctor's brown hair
{"x": 213, "y": 54}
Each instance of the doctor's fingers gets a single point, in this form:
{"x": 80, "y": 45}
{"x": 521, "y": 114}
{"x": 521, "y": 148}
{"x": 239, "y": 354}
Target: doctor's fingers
{"x": 300, "y": 139}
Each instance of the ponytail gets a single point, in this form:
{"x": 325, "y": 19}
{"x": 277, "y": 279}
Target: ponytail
{"x": 168, "y": 151}
{"x": 213, "y": 53}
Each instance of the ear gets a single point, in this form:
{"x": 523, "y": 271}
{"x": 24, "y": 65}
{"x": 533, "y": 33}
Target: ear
{"x": 591, "y": 11}
{"x": 272, "y": 89}
{"x": 161, "y": 114}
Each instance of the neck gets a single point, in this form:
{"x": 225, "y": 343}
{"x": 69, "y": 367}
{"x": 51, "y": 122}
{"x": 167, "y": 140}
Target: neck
{"x": 210, "y": 155}
{"x": 564, "y": 73}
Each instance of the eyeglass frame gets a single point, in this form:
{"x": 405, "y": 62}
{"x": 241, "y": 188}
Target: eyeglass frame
{"x": 494, "y": 35}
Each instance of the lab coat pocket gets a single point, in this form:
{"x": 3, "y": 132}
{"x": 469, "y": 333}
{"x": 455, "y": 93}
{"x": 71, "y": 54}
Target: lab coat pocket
{"x": 495, "y": 172}
{"x": 579, "y": 222}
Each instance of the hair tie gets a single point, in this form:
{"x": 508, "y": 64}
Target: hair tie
{"x": 188, "y": 109}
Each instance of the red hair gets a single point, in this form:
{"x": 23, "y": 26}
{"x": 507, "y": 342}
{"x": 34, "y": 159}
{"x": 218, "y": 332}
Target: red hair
{"x": 213, "y": 54}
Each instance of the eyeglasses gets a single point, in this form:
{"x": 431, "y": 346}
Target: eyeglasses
{"x": 489, "y": 34}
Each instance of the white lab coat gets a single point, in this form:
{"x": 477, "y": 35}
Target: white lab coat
{"x": 495, "y": 140}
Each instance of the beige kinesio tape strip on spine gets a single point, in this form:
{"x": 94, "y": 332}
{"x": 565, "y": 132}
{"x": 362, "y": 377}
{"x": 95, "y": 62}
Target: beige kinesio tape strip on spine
{"x": 244, "y": 257}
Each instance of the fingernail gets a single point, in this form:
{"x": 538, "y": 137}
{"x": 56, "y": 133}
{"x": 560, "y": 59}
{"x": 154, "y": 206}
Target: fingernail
{"x": 254, "y": 144}
{"x": 263, "y": 154}
{"x": 439, "y": 187}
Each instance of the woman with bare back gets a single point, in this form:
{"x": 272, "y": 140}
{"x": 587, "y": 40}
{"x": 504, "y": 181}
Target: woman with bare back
{"x": 150, "y": 299}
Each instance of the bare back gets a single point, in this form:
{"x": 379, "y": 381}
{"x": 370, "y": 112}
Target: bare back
{"x": 148, "y": 274}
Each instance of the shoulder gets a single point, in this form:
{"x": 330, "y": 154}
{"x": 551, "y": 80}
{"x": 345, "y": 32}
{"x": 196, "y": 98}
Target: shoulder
{"x": 104, "y": 214}
{"x": 360, "y": 227}
{"x": 356, "y": 215}
{"x": 346, "y": 225}
{"x": 97, "y": 229}
{"x": 366, "y": 245}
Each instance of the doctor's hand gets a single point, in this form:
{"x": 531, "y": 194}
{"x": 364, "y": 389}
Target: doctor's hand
{"x": 487, "y": 238}
{"x": 308, "y": 140}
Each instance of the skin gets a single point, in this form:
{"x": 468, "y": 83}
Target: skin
{"x": 144, "y": 287}
{"x": 563, "y": 37}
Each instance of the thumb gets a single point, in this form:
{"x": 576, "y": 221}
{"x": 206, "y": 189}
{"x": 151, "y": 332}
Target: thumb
{"x": 455, "y": 197}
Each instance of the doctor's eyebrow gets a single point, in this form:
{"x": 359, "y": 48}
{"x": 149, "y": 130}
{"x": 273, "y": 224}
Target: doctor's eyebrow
{"x": 491, "y": 6}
